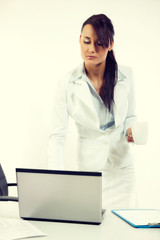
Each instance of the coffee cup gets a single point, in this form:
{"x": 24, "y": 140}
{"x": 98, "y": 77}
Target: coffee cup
{"x": 140, "y": 132}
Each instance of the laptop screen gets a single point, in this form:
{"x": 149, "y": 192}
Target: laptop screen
{"x": 60, "y": 195}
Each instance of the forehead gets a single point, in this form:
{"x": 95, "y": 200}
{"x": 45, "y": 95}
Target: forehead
{"x": 88, "y": 31}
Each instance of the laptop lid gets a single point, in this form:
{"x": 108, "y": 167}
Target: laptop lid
{"x": 72, "y": 196}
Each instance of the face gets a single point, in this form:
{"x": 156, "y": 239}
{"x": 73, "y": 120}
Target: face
{"x": 92, "y": 51}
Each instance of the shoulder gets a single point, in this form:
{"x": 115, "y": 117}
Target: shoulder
{"x": 125, "y": 79}
{"x": 72, "y": 75}
{"x": 125, "y": 73}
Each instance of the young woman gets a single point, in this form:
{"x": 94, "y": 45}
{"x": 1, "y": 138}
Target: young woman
{"x": 100, "y": 99}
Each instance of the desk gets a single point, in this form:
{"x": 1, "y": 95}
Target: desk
{"x": 112, "y": 228}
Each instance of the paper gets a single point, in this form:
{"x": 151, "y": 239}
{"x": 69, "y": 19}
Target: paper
{"x": 140, "y": 216}
{"x": 11, "y": 229}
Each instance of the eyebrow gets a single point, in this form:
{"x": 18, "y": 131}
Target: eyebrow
{"x": 86, "y": 37}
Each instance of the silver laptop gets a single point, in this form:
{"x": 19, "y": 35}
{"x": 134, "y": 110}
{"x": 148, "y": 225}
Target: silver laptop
{"x": 65, "y": 196}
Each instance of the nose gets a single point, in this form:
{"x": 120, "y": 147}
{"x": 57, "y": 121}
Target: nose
{"x": 92, "y": 48}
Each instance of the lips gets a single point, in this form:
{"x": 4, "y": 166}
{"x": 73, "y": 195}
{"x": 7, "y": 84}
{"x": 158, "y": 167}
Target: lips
{"x": 91, "y": 57}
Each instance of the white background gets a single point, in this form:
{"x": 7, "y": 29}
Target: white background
{"x": 39, "y": 42}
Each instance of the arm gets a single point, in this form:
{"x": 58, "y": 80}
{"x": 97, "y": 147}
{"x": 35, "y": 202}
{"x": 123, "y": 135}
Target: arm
{"x": 59, "y": 129}
{"x": 131, "y": 113}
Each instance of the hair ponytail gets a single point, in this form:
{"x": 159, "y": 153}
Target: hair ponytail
{"x": 110, "y": 77}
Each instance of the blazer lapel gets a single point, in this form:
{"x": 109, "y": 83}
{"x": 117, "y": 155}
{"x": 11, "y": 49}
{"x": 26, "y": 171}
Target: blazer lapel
{"x": 84, "y": 105}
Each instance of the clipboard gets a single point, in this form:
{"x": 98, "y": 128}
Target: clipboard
{"x": 139, "y": 218}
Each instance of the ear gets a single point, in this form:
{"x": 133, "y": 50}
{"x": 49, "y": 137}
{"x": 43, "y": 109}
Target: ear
{"x": 80, "y": 38}
{"x": 111, "y": 46}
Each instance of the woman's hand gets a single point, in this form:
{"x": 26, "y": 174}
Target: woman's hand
{"x": 129, "y": 135}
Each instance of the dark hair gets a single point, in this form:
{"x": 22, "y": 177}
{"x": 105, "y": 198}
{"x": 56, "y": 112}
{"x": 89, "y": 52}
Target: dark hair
{"x": 105, "y": 33}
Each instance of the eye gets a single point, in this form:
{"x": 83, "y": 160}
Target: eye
{"x": 99, "y": 44}
{"x": 86, "y": 41}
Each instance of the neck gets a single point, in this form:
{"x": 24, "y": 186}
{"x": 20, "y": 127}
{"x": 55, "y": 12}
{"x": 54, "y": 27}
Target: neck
{"x": 95, "y": 72}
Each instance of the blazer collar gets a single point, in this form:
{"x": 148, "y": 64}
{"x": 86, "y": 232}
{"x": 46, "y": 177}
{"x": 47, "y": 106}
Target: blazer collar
{"x": 80, "y": 72}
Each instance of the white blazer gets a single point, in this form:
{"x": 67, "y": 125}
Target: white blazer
{"x": 97, "y": 149}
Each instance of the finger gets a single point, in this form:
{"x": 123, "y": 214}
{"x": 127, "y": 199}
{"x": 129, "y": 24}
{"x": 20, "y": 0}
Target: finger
{"x": 130, "y": 138}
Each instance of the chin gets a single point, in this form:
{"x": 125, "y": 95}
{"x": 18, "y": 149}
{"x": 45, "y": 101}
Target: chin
{"x": 91, "y": 62}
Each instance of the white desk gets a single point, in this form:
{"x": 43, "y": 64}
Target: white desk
{"x": 112, "y": 228}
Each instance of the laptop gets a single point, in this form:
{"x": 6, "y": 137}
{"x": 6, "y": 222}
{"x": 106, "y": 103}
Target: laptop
{"x": 63, "y": 196}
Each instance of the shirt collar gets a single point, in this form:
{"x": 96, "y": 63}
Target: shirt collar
{"x": 80, "y": 73}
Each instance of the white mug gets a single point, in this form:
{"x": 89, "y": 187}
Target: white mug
{"x": 140, "y": 132}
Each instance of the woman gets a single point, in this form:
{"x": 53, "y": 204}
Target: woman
{"x": 100, "y": 99}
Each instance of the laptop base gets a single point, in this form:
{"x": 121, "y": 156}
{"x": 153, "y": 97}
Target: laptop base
{"x": 61, "y": 221}
{"x": 65, "y": 221}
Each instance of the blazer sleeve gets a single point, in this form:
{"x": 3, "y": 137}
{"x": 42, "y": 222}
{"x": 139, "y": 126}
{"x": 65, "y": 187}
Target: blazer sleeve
{"x": 131, "y": 112}
{"x": 58, "y": 129}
